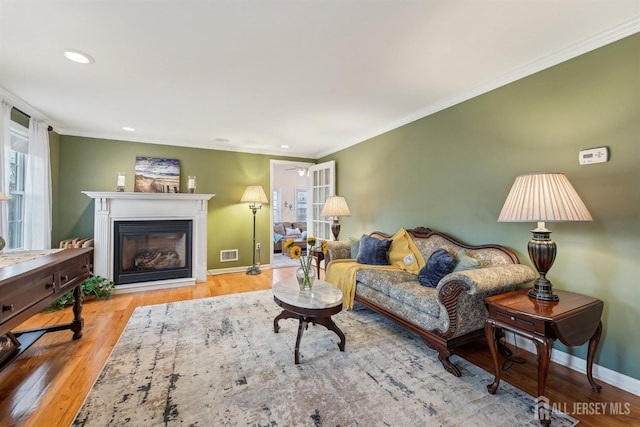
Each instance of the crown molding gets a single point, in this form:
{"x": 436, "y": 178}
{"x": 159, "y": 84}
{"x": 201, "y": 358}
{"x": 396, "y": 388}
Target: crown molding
{"x": 569, "y": 52}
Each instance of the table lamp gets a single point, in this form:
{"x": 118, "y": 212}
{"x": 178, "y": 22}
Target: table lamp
{"x": 543, "y": 197}
{"x": 335, "y": 206}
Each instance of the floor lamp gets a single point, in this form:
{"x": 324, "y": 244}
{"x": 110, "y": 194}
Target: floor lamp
{"x": 255, "y": 196}
{"x": 538, "y": 198}
{"x": 335, "y": 206}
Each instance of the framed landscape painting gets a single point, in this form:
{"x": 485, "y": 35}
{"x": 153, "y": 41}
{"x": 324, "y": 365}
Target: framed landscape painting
{"x": 157, "y": 175}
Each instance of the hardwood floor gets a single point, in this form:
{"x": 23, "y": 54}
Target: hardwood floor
{"x": 47, "y": 384}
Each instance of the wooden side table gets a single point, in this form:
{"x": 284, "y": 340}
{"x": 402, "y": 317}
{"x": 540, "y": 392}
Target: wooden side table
{"x": 574, "y": 320}
{"x": 319, "y": 257}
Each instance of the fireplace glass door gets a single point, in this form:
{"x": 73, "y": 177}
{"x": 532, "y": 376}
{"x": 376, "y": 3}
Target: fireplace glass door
{"x": 147, "y": 251}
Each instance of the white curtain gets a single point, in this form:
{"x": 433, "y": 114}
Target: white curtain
{"x": 5, "y": 146}
{"x": 37, "y": 189}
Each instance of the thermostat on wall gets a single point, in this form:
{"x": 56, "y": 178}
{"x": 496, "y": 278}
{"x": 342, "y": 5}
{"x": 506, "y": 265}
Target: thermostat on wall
{"x": 593, "y": 155}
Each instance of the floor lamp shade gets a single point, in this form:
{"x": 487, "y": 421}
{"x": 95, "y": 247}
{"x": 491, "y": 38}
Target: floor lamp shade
{"x": 255, "y": 196}
{"x": 543, "y": 197}
{"x": 335, "y": 206}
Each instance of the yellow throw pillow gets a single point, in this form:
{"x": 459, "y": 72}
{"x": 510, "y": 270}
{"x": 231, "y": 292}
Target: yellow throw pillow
{"x": 404, "y": 253}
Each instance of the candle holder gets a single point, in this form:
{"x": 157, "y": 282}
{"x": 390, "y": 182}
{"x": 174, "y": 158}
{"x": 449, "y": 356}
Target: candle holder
{"x": 121, "y": 182}
{"x": 191, "y": 184}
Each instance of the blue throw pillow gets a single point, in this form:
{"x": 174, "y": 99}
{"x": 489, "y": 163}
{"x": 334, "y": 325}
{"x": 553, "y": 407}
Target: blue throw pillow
{"x": 373, "y": 251}
{"x": 355, "y": 247}
{"x": 276, "y": 237}
{"x": 440, "y": 264}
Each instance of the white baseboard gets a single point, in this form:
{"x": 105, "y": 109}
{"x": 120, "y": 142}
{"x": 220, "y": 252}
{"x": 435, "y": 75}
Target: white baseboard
{"x": 218, "y": 271}
{"x": 606, "y": 375}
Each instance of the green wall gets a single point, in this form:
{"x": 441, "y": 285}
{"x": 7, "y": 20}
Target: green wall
{"x": 87, "y": 164}
{"x": 452, "y": 171}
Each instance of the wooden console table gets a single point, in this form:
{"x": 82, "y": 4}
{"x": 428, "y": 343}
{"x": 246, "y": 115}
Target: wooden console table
{"x": 27, "y": 287}
{"x": 574, "y": 320}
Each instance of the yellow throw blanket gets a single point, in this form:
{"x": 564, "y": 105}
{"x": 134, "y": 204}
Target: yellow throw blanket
{"x": 342, "y": 274}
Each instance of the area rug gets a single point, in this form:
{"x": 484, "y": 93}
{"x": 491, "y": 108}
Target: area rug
{"x": 217, "y": 362}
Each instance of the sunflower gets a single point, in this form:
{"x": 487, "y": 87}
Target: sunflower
{"x": 295, "y": 252}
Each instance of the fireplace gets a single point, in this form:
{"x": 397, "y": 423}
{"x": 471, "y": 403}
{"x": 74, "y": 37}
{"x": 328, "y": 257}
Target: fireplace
{"x": 147, "y": 251}
{"x": 135, "y": 207}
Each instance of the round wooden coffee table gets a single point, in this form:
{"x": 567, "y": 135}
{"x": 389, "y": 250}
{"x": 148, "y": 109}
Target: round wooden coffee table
{"x": 316, "y": 306}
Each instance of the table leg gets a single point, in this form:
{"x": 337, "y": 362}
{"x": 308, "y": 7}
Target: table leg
{"x": 284, "y": 315}
{"x": 304, "y": 324}
{"x": 328, "y": 323}
{"x": 490, "y": 334}
{"x": 593, "y": 346}
{"x": 78, "y": 321}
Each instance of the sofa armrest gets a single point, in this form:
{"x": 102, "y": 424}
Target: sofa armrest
{"x": 340, "y": 249}
{"x": 491, "y": 280}
{"x": 461, "y": 295}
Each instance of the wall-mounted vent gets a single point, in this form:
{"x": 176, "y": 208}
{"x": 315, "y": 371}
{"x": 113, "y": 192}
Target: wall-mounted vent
{"x": 228, "y": 255}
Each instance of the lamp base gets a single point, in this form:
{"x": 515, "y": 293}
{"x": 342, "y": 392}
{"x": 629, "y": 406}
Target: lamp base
{"x": 542, "y": 251}
{"x": 253, "y": 270}
{"x": 543, "y": 292}
{"x": 335, "y": 229}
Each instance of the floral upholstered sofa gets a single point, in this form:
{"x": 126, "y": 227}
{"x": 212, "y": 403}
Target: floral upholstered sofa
{"x": 445, "y": 313}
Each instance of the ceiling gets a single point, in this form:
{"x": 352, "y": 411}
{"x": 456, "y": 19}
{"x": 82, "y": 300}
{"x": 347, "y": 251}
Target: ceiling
{"x": 254, "y": 75}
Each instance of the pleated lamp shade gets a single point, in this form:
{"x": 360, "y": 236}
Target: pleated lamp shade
{"x": 254, "y": 194}
{"x": 335, "y": 206}
{"x": 543, "y": 197}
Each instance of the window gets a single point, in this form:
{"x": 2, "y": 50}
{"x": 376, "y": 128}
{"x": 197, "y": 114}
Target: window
{"x": 17, "y": 169}
{"x": 301, "y": 205}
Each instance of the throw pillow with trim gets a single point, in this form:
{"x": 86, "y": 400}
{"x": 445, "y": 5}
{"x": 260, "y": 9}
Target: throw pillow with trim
{"x": 355, "y": 247}
{"x": 465, "y": 262}
{"x": 373, "y": 251}
{"x": 293, "y": 232}
{"x": 276, "y": 237}
{"x": 404, "y": 253}
{"x": 440, "y": 264}
{"x": 279, "y": 228}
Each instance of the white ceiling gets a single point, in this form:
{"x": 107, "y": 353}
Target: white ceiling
{"x": 316, "y": 75}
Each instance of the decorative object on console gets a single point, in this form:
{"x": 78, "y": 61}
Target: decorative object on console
{"x": 157, "y": 175}
{"x": 2, "y": 242}
{"x": 539, "y": 198}
{"x": 121, "y": 182}
{"x": 335, "y": 206}
{"x": 191, "y": 184}
{"x": 255, "y": 196}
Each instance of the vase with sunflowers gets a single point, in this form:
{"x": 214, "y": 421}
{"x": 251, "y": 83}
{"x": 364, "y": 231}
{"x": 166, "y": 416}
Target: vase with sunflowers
{"x": 305, "y": 273}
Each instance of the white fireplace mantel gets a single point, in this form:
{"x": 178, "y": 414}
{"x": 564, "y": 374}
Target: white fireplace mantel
{"x": 123, "y": 206}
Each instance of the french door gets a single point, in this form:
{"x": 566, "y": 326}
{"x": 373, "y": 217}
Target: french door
{"x": 321, "y": 184}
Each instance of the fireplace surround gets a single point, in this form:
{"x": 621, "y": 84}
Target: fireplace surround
{"x": 126, "y": 207}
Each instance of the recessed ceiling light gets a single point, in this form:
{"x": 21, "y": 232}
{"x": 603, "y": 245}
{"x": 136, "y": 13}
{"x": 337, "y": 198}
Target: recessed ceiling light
{"x": 128, "y": 129}
{"x": 284, "y": 146}
{"x": 79, "y": 57}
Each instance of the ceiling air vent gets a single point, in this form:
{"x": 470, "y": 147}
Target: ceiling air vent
{"x": 228, "y": 255}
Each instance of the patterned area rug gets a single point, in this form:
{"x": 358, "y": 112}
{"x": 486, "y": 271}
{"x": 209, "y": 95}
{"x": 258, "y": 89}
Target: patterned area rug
{"x": 217, "y": 361}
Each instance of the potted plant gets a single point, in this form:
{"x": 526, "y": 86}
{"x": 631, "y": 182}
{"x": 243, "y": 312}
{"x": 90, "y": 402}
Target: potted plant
{"x": 93, "y": 287}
